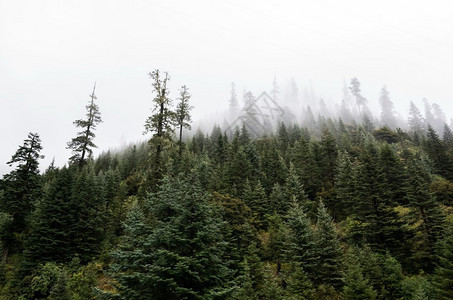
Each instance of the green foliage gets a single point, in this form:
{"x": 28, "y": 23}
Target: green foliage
{"x": 443, "y": 275}
{"x": 180, "y": 253}
{"x": 328, "y": 250}
{"x": 356, "y": 286}
{"x": 21, "y": 191}
{"x": 82, "y": 145}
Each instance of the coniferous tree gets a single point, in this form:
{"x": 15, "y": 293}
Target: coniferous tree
{"x": 181, "y": 256}
{"x": 22, "y": 190}
{"x": 436, "y": 151}
{"x": 300, "y": 244}
{"x": 416, "y": 120}
{"x": 443, "y": 275}
{"x": 161, "y": 123}
{"x": 387, "y": 115}
{"x": 356, "y": 92}
{"x": 426, "y": 213}
{"x": 306, "y": 167}
{"x": 183, "y": 118}
{"x": 234, "y": 102}
{"x": 344, "y": 186}
{"x": 50, "y": 236}
{"x": 328, "y": 249}
{"x": 82, "y": 145}
{"x": 356, "y": 285}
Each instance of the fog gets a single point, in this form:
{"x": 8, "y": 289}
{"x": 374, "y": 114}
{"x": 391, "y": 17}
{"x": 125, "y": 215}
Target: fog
{"x": 52, "y": 52}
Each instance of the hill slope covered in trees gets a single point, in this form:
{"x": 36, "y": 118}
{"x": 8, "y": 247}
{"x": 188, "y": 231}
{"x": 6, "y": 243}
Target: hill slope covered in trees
{"x": 334, "y": 210}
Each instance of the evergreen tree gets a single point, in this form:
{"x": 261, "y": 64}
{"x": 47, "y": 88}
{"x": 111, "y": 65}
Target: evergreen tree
{"x": 357, "y": 287}
{"x": 182, "y": 255}
{"x": 294, "y": 191}
{"x": 86, "y": 206}
{"x": 435, "y": 148}
{"x": 329, "y": 153}
{"x": 301, "y": 248}
{"x": 82, "y": 145}
{"x": 426, "y": 213}
{"x": 443, "y": 275}
{"x": 22, "y": 190}
{"x": 161, "y": 123}
{"x": 356, "y": 92}
{"x": 328, "y": 249}
{"x": 234, "y": 103}
{"x": 416, "y": 120}
{"x": 50, "y": 236}
{"x": 387, "y": 115}
{"x": 183, "y": 118}
{"x": 344, "y": 186}
{"x": 306, "y": 167}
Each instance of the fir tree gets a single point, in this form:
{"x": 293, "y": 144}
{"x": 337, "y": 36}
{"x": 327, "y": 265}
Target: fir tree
{"x": 301, "y": 247}
{"x": 443, "y": 275}
{"x": 328, "y": 249}
{"x": 356, "y": 92}
{"x": 181, "y": 255}
{"x": 183, "y": 118}
{"x": 22, "y": 190}
{"x": 161, "y": 123}
{"x": 426, "y": 213}
{"x": 436, "y": 151}
{"x": 356, "y": 286}
{"x": 82, "y": 145}
{"x": 387, "y": 114}
{"x": 416, "y": 120}
{"x": 50, "y": 236}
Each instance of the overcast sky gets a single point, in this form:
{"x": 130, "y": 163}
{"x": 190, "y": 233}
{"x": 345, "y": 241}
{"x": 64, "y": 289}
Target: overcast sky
{"x": 52, "y": 52}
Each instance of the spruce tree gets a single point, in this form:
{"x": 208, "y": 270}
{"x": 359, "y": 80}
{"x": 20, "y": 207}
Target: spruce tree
{"x": 82, "y": 145}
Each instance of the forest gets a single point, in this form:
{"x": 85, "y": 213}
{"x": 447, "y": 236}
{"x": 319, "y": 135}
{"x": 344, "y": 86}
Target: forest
{"x": 345, "y": 206}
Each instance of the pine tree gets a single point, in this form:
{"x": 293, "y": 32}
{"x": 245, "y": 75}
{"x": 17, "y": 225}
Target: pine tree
{"x": 22, "y": 190}
{"x": 183, "y": 118}
{"x": 82, "y": 145}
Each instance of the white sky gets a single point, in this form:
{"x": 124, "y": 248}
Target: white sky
{"x": 51, "y": 52}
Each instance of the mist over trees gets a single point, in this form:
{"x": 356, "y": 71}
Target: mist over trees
{"x": 286, "y": 197}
